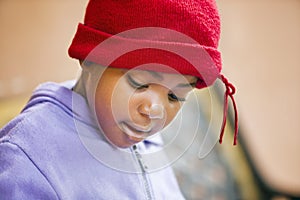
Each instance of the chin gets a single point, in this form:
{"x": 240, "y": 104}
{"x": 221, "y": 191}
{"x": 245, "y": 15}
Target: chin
{"x": 122, "y": 144}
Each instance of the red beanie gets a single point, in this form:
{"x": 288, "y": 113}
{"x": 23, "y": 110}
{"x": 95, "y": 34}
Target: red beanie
{"x": 156, "y": 39}
{"x": 197, "y": 19}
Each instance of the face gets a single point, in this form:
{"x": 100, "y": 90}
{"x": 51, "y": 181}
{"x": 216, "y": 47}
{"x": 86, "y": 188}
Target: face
{"x": 132, "y": 105}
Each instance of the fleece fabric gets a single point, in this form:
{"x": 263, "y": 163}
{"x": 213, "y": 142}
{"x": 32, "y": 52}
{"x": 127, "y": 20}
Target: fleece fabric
{"x": 50, "y": 151}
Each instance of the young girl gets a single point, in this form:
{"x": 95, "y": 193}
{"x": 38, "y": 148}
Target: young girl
{"x": 99, "y": 138}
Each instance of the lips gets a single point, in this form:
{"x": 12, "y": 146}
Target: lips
{"x": 134, "y": 132}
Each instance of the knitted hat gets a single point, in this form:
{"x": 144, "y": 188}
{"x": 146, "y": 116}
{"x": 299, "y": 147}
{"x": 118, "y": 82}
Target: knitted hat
{"x": 198, "y": 20}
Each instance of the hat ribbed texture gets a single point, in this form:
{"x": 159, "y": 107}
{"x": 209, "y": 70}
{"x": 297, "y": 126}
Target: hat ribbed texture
{"x": 198, "y": 19}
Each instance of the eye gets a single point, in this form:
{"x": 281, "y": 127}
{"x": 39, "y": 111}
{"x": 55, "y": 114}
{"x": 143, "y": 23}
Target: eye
{"x": 173, "y": 97}
{"x": 135, "y": 84}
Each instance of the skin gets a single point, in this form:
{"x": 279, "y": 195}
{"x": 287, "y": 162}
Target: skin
{"x": 132, "y": 105}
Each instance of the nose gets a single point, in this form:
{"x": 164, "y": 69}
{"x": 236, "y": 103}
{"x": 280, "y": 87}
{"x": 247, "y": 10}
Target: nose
{"x": 156, "y": 111}
{"x": 154, "y": 104}
{"x": 152, "y": 110}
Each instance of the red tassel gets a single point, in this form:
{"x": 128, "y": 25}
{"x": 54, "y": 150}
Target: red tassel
{"x": 230, "y": 90}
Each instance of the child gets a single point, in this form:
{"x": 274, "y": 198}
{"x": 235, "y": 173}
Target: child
{"x": 91, "y": 139}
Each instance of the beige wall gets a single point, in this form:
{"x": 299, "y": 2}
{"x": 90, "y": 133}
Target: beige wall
{"x": 261, "y": 54}
{"x": 35, "y": 35}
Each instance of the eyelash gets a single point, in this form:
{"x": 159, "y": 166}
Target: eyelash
{"x": 135, "y": 84}
{"x": 138, "y": 86}
{"x": 173, "y": 97}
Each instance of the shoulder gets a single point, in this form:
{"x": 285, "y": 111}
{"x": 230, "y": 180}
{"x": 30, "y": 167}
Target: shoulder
{"x": 18, "y": 174}
{"x": 47, "y": 109}
{"x": 27, "y": 145}
{"x": 41, "y": 129}
{"x": 36, "y": 123}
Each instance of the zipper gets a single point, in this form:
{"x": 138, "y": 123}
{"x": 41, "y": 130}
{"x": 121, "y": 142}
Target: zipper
{"x": 144, "y": 175}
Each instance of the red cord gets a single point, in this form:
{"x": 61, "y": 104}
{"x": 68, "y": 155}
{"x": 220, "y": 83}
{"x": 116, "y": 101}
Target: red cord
{"x": 230, "y": 90}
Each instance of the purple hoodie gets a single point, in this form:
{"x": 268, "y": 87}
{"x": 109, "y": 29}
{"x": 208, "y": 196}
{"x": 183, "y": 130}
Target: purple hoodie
{"x": 53, "y": 150}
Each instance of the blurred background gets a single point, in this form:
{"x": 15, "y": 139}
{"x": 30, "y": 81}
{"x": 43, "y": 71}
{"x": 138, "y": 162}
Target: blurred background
{"x": 260, "y": 45}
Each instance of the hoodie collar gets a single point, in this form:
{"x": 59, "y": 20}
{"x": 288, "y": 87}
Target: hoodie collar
{"x": 72, "y": 103}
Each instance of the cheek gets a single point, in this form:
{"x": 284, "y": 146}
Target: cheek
{"x": 121, "y": 104}
{"x": 102, "y": 108}
{"x": 113, "y": 105}
{"x": 171, "y": 112}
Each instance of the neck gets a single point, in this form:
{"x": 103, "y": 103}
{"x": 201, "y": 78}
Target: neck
{"x": 80, "y": 87}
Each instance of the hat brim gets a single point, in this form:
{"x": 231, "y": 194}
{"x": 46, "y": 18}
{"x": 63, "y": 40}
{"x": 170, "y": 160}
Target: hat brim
{"x": 187, "y": 58}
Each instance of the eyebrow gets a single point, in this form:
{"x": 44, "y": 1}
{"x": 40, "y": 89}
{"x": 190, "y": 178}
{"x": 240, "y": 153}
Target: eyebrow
{"x": 156, "y": 75}
{"x": 181, "y": 85}
{"x": 193, "y": 84}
